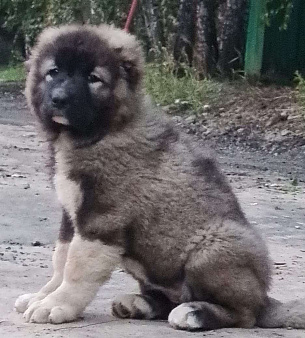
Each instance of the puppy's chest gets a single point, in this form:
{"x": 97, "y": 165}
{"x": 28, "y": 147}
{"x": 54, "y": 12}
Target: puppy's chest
{"x": 69, "y": 192}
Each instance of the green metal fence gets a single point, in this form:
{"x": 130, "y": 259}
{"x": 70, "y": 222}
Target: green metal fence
{"x": 284, "y": 50}
{"x": 273, "y": 51}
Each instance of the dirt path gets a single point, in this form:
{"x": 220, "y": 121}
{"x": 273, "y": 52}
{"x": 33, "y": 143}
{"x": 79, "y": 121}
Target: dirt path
{"x": 271, "y": 190}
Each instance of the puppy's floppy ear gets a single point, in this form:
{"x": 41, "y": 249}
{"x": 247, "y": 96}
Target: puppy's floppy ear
{"x": 129, "y": 52}
{"x": 130, "y": 73}
{"x": 131, "y": 64}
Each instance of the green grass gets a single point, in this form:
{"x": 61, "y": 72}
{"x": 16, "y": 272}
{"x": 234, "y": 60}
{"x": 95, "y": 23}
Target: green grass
{"x": 12, "y": 73}
{"x": 166, "y": 88}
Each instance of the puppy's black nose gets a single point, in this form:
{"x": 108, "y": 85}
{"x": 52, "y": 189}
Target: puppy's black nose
{"x": 59, "y": 98}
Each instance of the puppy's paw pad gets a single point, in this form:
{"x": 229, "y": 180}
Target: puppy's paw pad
{"x": 22, "y": 302}
{"x": 122, "y": 307}
{"x": 184, "y": 317}
{"x": 132, "y": 306}
{"x": 119, "y": 310}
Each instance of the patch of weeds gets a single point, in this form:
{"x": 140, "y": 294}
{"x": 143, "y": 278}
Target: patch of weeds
{"x": 12, "y": 73}
{"x": 168, "y": 88}
{"x": 292, "y": 187}
{"x": 300, "y": 91}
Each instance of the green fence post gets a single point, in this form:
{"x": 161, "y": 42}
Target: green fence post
{"x": 255, "y": 39}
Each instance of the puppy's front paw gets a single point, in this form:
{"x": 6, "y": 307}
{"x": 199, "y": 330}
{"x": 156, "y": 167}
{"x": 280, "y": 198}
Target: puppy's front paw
{"x": 24, "y": 301}
{"x": 49, "y": 310}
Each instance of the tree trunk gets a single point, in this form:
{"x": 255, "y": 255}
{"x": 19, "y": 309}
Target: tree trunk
{"x": 206, "y": 49}
{"x": 184, "y": 42}
{"x": 154, "y": 29}
{"x": 232, "y": 36}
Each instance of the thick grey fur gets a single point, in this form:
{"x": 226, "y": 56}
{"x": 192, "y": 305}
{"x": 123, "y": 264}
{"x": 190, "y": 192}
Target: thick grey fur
{"x": 156, "y": 194}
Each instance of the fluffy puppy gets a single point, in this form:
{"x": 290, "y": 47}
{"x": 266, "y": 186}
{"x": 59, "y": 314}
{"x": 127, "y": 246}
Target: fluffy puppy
{"x": 137, "y": 193}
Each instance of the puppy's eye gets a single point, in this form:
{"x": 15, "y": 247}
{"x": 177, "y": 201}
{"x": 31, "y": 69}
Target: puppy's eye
{"x": 53, "y": 72}
{"x": 94, "y": 79}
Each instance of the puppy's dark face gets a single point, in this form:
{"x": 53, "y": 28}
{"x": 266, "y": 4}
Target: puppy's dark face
{"x": 74, "y": 83}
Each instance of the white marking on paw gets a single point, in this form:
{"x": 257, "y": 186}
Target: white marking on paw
{"x": 60, "y": 314}
{"x": 22, "y": 302}
{"x": 144, "y": 307}
{"x": 47, "y": 311}
{"x": 183, "y": 317}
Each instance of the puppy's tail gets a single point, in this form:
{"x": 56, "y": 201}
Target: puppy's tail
{"x": 277, "y": 314}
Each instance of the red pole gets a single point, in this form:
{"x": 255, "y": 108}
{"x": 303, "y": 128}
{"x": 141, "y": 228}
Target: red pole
{"x": 130, "y": 15}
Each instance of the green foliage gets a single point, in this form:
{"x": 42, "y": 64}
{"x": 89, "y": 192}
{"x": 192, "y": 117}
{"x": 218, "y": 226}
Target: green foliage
{"x": 27, "y": 18}
{"x": 12, "y": 73}
{"x": 111, "y": 12}
{"x": 300, "y": 91}
{"x": 63, "y": 11}
{"x": 24, "y": 17}
{"x": 279, "y": 10}
{"x": 163, "y": 84}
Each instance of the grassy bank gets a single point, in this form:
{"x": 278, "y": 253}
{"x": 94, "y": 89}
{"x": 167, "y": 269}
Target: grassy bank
{"x": 167, "y": 89}
{"x": 12, "y": 73}
{"x": 160, "y": 81}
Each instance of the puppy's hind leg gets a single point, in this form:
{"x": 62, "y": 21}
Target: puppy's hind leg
{"x": 201, "y": 316}
{"x": 228, "y": 284}
{"x": 89, "y": 264}
{"x": 59, "y": 261}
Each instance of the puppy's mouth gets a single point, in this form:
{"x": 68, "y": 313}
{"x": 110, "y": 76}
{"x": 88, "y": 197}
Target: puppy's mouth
{"x": 61, "y": 120}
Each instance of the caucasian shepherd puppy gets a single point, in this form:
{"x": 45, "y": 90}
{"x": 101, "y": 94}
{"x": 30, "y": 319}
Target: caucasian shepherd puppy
{"x": 137, "y": 193}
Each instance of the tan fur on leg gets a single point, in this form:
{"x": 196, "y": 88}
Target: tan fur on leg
{"x": 89, "y": 264}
